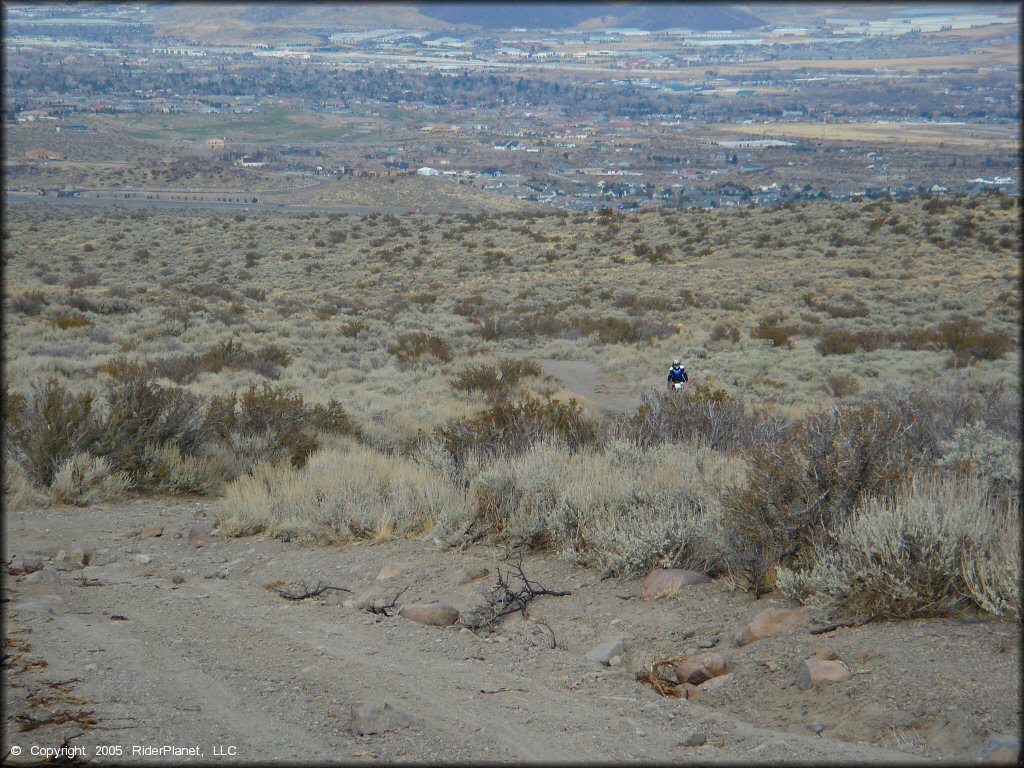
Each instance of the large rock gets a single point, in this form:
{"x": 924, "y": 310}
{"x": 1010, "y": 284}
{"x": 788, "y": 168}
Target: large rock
{"x": 151, "y": 532}
{"x": 771, "y": 621}
{"x": 434, "y": 614}
{"x": 670, "y": 581}
{"x": 377, "y": 717}
{"x": 74, "y": 556}
{"x": 816, "y": 672}
{"x": 1000, "y": 749}
{"x": 820, "y": 651}
{"x": 701, "y": 668}
{"x": 603, "y": 653}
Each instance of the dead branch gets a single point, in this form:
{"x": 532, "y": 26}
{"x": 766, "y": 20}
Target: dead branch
{"x": 387, "y": 609}
{"x": 503, "y": 599}
{"x": 662, "y": 677}
{"x": 306, "y": 592}
{"x": 505, "y": 690}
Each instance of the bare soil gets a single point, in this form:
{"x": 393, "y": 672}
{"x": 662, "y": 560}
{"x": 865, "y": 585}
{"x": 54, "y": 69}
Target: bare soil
{"x": 161, "y": 642}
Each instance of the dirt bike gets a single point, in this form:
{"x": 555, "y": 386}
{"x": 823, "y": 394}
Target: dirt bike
{"x": 674, "y": 385}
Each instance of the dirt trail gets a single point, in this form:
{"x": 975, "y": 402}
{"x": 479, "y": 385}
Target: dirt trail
{"x": 168, "y": 643}
{"x": 608, "y": 391}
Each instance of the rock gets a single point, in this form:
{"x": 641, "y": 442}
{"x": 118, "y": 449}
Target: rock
{"x": 433, "y": 614}
{"x": 142, "y": 559}
{"x": 602, "y": 654}
{"x": 771, "y": 621}
{"x": 377, "y": 717}
{"x": 74, "y": 556}
{"x": 669, "y": 581}
{"x": 151, "y": 532}
{"x": 198, "y": 534}
{"x": 861, "y": 655}
{"x": 42, "y": 581}
{"x": 820, "y": 651}
{"x": 816, "y": 728}
{"x": 393, "y": 570}
{"x": 815, "y": 671}
{"x": 690, "y": 691}
{"x": 714, "y": 683}
{"x": 701, "y": 668}
{"x": 90, "y": 667}
{"x": 1000, "y": 749}
{"x": 710, "y": 642}
{"x": 177, "y": 579}
{"x": 473, "y": 574}
{"x": 695, "y": 739}
{"x": 615, "y": 661}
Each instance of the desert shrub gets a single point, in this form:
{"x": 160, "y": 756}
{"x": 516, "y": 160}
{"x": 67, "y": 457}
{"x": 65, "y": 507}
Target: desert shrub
{"x": 48, "y": 427}
{"x": 512, "y": 427}
{"x": 842, "y": 341}
{"x": 412, "y": 346}
{"x": 84, "y": 280}
{"x": 622, "y": 509}
{"x": 82, "y": 480}
{"x": 616, "y": 330}
{"x": 966, "y": 339}
{"x": 802, "y": 487}
{"x": 976, "y": 450}
{"x": 64, "y": 322}
{"x": 926, "y": 550}
{"x": 841, "y": 385}
{"x": 779, "y": 335}
{"x": 165, "y": 469}
{"x": 140, "y": 412}
{"x": 19, "y": 490}
{"x": 28, "y": 303}
{"x": 702, "y": 415}
{"x": 725, "y": 331}
{"x": 494, "y": 380}
{"x": 277, "y": 412}
{"x": 848, "y": 306}
{"x": 340, "y": 496}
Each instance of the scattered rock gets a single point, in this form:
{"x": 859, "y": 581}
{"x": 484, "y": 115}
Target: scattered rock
{"x": 433, "y": 614}
{"x": 142, "y": 559}
{"x": 177, "y": 579}
{"x": 151, "y": 532}
{"x": 602, "y": 654}
{"x": 669, "y": 581}
{"x": 861, "y": 655}
{"x": 377, "y": 717}
{"x": 689, "y": 691}
{"x": 771, "y": 621}
{"x": 695, "y": 739}
{"x": 43, "y": 580}
{"x": 710, "y": 642}
{"x": 74, "y": 556}
{"x": 816, "y": 728}
{"x": 90, "y": 667}
{"x": 815, "y": 671}
{"x": 615, "y": 661}
{"x": 198, "y": 534}
{"x": 473, "y": 574}
{"x": 1000, "y": 749}
{"x": 714, "y": 683}
{"x": 820, "y": 651}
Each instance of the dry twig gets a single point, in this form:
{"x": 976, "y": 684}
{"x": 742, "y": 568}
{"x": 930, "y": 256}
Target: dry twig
{"x": 306, "y": 591}
{"x": 503, "y": 599}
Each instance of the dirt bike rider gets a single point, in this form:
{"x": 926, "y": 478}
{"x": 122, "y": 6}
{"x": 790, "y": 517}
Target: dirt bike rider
{"x": 677, "y": 374}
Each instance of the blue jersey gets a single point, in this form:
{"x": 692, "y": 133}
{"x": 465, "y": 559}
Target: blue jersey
{"x": 677, "y": 375}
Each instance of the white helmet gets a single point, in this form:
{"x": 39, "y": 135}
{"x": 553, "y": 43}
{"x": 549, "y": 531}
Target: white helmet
{"x": 677, "y": 361}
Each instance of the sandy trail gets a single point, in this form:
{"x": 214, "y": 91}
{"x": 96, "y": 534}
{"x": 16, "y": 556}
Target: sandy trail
{"x": 206, "y": 656}
{"x": 606, "y": 390}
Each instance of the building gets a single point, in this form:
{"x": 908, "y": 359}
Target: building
{"x": 215, "y": 143}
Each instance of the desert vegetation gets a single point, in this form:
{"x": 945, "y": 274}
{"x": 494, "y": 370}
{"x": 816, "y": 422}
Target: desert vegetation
{"x": 850, "y": 437}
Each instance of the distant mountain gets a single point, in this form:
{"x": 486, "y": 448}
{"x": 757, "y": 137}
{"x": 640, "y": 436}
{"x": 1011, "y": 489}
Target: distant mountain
{"x": 698, "y": 16}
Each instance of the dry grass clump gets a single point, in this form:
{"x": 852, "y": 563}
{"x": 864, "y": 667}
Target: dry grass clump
{"x": 936, "y": 545}
{"x": 83, "y": 480}
{"x": 495, "y": 381}
{"x": 341, "y": 496}
{"x": 621, "y": 508}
